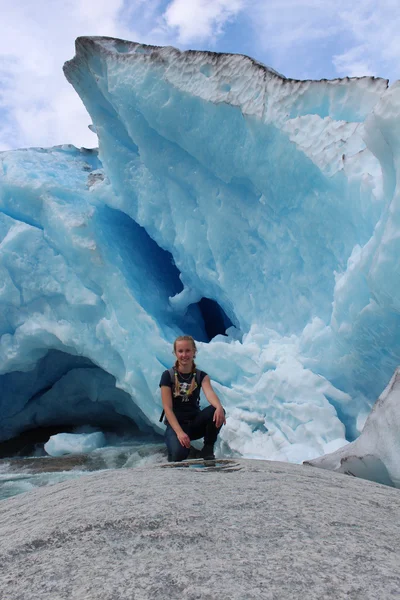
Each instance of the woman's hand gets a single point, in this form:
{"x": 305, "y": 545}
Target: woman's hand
{"x": 184, "y": 439}
{"x": 219, "y": 417}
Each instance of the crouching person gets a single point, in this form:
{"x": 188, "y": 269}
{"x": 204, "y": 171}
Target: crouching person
{"x": 180, "y": 394}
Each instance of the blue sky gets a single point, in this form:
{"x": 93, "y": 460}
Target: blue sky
{"x": 299, "y": 38}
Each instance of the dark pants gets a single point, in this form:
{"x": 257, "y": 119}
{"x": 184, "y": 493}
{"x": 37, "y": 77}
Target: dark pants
{"x": 202, "y": 425}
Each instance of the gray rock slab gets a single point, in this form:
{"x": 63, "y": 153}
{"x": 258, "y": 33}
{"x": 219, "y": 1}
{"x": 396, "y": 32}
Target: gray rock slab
{"x": 226, "y": 530}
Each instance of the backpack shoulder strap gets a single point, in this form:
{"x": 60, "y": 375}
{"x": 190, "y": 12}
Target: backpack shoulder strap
{"x": 171, "y": 372}
{"x": 198, "y": 377}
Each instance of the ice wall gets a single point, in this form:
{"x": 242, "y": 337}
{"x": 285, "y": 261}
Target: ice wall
{"x": 224, "y": 196}
{"x": 374, "y": 455}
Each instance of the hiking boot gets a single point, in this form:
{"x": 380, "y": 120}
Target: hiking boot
{"x": 207, "y": 452}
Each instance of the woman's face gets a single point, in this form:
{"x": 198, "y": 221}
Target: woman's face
{"x": 184, "y": 352}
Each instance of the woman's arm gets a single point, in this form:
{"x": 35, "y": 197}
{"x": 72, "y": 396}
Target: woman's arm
{"x": 166, "y": 398}
{"x": 219, "y": 415}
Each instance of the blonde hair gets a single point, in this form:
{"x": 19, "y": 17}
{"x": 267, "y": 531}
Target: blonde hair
{"x": 193, "y": 384}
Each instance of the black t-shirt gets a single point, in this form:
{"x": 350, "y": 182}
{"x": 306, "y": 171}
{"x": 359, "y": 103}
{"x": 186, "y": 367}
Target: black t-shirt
{"x": 184, "y": 406}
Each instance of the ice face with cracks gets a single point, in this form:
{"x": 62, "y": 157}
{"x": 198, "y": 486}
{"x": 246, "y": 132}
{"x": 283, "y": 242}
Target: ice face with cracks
{"x": 375, "y": 453}
{"x": 224, "y": 197}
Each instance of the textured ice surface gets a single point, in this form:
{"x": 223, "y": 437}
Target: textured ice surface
{"x": 74, "y": 443}
{"x": 375, "y": 453}
{"x": 224, "y": 197}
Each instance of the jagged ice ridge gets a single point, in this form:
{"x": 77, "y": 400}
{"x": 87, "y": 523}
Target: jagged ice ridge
{"x": 223, "y": 198}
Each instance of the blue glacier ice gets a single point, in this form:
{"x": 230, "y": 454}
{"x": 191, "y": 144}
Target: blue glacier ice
{"x": 257, "y": 213}
{"x": 74, "y": 443}
{"x": 374, "y": 455}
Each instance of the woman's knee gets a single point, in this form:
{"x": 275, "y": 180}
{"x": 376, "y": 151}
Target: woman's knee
{"x": 178, "y": 454}
{"x": 208, "y": 412}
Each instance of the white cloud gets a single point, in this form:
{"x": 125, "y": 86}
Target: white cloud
{"x": 201, "y": 20}
{"x": 375, "y": 46}
{"x": 357, "y": 38}
{"x": 354, "y": 62}
{"x": 41, "y": 108}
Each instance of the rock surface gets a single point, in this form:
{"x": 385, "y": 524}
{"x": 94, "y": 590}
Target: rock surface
{"x": 227, "y": 530}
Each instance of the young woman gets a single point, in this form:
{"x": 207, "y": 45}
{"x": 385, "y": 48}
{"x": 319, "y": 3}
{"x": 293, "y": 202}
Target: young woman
{"x": 180, "y": 394}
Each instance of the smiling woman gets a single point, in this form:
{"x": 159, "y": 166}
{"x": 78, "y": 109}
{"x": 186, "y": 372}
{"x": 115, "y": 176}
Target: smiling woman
{"x": 180, "y": 393}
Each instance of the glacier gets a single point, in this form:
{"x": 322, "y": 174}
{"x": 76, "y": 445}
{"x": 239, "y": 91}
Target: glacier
{"x": 74, "y": 443}
{"x": 257, "y": 213}
{"x": 374, "y": 455}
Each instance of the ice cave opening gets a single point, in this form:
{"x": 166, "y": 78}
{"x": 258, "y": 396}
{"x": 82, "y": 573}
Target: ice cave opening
{"x": 151, "y": 271}
{"x": 64, "y": 393}
{"x": 216, "y": 321}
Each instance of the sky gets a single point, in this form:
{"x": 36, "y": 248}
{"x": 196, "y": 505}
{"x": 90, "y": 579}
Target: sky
{"x": 302, "y": 39}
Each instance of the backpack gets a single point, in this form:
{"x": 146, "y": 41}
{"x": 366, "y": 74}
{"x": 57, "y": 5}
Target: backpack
{"x": 171, "y": 371}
